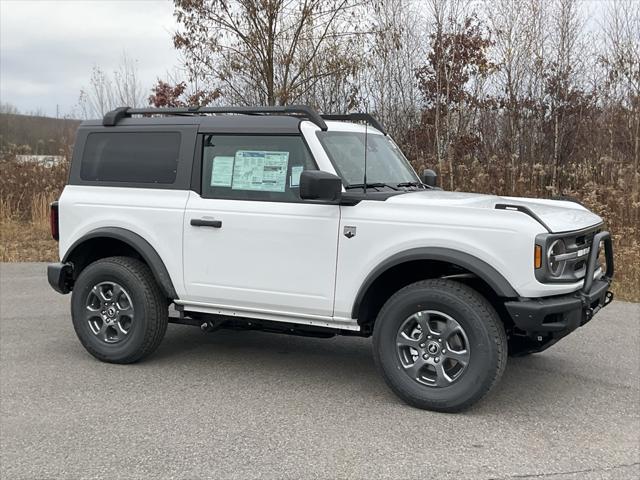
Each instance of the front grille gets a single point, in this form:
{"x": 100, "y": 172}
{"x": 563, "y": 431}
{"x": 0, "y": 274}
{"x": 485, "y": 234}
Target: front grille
{"x": 578, "y": 246}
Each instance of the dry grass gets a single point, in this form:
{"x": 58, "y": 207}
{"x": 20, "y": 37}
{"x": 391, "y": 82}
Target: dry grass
{"x": 27, "y": 242}
{"x": 26, "y": 191}
{"x": 626, "y": 285}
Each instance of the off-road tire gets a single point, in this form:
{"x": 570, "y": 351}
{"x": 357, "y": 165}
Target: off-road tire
{"x": 150, "y": 307}
{"x": 482, "y": 326}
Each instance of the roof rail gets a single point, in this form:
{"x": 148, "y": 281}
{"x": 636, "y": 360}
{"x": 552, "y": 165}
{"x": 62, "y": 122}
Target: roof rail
{"x": 113, "y": 117}
{"x": 357, "y": 117}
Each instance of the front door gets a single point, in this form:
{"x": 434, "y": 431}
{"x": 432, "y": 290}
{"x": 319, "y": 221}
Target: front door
{"x": 250, "y": 243}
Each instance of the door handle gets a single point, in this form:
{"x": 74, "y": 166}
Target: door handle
{"x": 200, "y": 222}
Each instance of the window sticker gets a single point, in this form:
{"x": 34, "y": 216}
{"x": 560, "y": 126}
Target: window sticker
{"x": 295, "y": 175}
{"x": 222, "y": 171}
{"x": 260, "y": 170}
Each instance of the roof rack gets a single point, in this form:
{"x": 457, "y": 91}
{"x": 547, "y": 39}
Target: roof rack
{"x": 114, "y": 116}
{"x": 357, "y": 117}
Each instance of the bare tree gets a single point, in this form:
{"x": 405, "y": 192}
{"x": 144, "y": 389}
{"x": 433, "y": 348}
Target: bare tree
{"x": 97, "y": 99}
{"x": 108, "y": 91}
{"x": 396, "y": 45}
{"x": 519, "y": 49}
{"x": 127, "y": 87}
{"x": 265, "y": 51}
{"x": 451, "y": 79}
{"x": 8, "y": 108}
{"x": 331, "y": 84}
{"x": 562, "y": 75}
{"x": 622, "y": 62}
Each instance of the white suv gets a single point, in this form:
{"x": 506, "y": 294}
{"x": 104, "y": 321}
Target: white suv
{"x": 280, "y": 219}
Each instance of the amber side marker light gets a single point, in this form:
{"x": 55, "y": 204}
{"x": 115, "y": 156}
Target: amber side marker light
{"x": 537, "y": 257}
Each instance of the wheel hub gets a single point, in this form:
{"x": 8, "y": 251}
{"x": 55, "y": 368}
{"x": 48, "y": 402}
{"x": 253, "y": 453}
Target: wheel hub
{"x": 109, "y": 312}
{"x": 433, "y": 348}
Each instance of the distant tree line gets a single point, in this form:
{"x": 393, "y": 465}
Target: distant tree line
{"x": 34, "y": 134}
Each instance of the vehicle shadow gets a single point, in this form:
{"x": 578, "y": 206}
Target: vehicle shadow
{"x": 345, "y": 364}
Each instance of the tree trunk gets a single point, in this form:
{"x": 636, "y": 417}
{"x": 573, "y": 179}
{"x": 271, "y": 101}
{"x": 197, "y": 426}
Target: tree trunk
{"x": 556, "y": 128}
{"x": 636, "y": 153}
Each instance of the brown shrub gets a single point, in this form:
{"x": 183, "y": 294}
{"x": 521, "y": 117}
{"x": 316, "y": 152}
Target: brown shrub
{"x": 27, "y": 189}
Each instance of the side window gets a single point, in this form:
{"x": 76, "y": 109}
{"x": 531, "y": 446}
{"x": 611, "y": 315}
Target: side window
{"x": 131, "y": 157}
{"x": 254, "y": 167}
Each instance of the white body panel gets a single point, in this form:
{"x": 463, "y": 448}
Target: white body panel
{"x": 559, "y": 216}
{"x": 291, "y": 262}
{"x": 156, "y": 215}
{"x": 502, "y": 239}
{"x": 272, "y": 256}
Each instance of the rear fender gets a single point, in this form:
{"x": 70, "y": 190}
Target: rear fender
{"x": 142, "y": 247}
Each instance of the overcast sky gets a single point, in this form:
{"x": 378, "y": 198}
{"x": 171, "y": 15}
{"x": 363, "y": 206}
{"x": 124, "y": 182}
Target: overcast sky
{"x": 48, "y": 47}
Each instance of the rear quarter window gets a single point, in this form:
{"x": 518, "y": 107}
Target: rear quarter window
{"x": 131, "y": 157}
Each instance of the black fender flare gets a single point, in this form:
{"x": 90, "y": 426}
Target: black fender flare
{"x": 473, "y": 264}
{"x": 140, "y": 245}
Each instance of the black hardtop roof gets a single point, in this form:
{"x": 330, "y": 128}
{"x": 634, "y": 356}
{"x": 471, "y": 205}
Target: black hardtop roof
{"x": 267, "y": 119}
{"x": 218, "y": 123}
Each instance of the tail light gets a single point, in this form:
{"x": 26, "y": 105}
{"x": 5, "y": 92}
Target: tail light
{"x": 54, "y": 221}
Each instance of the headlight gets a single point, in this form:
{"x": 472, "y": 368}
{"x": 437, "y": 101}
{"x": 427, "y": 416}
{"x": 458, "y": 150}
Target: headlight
{"x": 555, "y": 260}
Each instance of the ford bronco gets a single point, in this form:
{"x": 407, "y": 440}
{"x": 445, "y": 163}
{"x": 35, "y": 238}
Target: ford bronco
{"x": 285, "y": 220}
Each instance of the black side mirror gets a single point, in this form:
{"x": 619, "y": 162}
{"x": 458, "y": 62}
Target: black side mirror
{"x": 318, "y": 185}
{"x": 429, "y": 177}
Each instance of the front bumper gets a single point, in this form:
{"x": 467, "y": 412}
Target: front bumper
{"x": 541, "y": 322}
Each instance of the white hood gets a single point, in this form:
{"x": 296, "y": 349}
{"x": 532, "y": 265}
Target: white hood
{"x": 558, "y": 215}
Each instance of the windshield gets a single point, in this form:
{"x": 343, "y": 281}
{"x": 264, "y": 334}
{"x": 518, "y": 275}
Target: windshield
{"x": 385, "y": 162}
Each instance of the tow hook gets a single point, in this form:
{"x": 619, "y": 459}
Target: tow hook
{"x": 608, "y": 298}
{"x": 590, "y": 312}
{"x": 209, "y": 326}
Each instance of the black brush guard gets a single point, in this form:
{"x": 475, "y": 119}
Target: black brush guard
{"x": 541, "y": 322}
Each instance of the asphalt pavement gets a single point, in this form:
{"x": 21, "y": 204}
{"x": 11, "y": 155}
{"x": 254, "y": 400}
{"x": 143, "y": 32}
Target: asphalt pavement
{"x": 258, "y": 405}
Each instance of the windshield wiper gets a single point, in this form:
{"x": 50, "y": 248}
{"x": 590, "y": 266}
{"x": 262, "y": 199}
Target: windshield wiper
{"x": 410, "y": 184}
{"x": 370, "y": 185}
